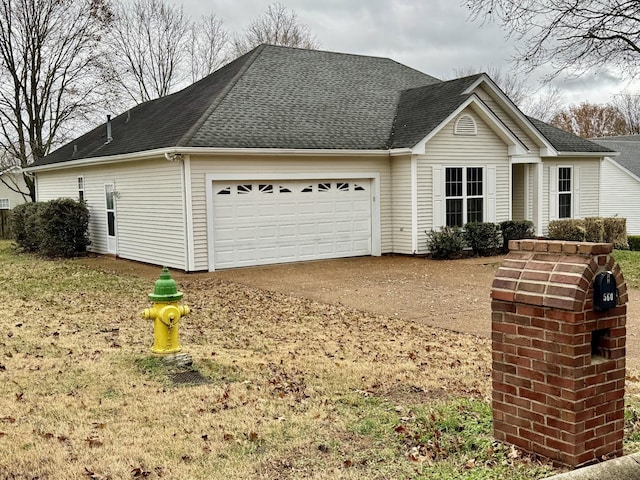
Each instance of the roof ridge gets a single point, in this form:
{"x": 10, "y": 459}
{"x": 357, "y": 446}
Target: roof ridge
{"x": 186, "y": 138}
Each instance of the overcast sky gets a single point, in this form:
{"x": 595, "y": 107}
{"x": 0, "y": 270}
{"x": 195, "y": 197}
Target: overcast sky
{"x": 433, "y": 36}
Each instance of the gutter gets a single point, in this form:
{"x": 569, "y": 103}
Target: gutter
{"x": 172, "y": 151}
{"x": 588, "y": 154}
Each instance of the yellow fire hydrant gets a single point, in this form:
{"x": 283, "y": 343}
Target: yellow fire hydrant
{"x": 166, "y": 314}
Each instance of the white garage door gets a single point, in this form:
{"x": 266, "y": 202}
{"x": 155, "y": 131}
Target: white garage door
{"x": 258, "y": 223}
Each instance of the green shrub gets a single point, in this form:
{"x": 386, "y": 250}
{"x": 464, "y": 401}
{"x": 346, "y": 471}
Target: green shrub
{"x": 570, "y": 230}
{"x": 26, "y": 227}
{"x": 594, "y": 229}
{"x": 634, "y": 242}
{"x": 55, "y": 228}
{"x": 484, "y": 238}
{"x": 447, "y": 243}
{"x": 516, "y": 230}
{"x": 615, "y": 231}
{"x": 64, "y": 224}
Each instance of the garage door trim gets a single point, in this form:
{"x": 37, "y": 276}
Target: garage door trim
{"x": 373, "y": 177}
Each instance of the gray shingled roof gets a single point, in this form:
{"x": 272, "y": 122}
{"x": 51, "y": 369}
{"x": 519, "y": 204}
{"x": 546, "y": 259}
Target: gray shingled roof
{"x": 272, "y": 97}
{"x": 281, "y": 97}
{"x": 565, "y": 141}
{"x": 629, "y": 148}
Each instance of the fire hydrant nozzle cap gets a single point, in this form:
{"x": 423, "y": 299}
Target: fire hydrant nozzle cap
{"x": 165, "y": 289}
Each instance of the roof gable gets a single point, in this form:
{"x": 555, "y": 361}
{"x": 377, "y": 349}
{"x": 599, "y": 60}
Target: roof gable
{"x": 629, "y": 148}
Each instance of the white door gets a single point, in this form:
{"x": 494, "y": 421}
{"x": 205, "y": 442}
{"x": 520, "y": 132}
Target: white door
{"x": 110, "y": 203}
{"x": 258, "y": 223}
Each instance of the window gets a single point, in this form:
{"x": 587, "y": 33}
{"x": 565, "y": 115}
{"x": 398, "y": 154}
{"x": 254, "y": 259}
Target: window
{"x": 464, "y": 195}
{"x": 81, "y": 189}
{"x": 4, "y": 204}
{"x": 564, "y": 192}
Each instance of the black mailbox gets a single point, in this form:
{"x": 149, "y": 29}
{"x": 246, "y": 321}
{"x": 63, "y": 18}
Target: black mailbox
{"x": 605, "y": 291}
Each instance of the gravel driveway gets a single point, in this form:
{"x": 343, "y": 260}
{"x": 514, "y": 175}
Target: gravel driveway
{"x": 450, "y": 294}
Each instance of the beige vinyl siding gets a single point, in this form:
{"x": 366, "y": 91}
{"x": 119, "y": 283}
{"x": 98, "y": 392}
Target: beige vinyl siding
{"x": 620, "y": 195}
{"x": 445, "y": 149}
{"x": 586, "y": 187}
{"x": 149, "y": 207}
{"x": 13, "y": 179}
{"x": 401, "y": 205}
{"x": 246, "y": 166}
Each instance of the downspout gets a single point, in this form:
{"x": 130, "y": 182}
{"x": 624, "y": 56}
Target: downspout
{"x": 185, "y": 173}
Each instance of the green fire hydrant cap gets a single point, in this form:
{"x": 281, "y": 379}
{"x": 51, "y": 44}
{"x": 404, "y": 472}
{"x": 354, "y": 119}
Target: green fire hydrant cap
{"x": 165, "y": 289}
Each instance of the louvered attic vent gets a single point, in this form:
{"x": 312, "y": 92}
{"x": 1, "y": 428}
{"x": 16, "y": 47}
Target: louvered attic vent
{"x": 465, "y": 125}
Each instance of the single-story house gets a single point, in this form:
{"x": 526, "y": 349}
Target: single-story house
{"x": 289, "y": 154}
{"x": 620, "y": 180}
{"x": 11, "y": 180}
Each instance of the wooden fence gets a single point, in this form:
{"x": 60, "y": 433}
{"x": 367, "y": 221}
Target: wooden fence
{"x": 5, "y": 229}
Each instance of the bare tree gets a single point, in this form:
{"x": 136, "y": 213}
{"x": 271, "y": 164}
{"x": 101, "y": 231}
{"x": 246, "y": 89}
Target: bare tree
{"x": 209, "y": 40}
{"x": 589, "y": 120}
{"x": 629, "y": 106}
{"x": 513, "y": 86}
{"x": 568, "y": 34}
{"x": 277, "y": 26}
{"x": 544, "y": 105}
{"x": 149, "y": 45}
{"x": 49, "y": 69}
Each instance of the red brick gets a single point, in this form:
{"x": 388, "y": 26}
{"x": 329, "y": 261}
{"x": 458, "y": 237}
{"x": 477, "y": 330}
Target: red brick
{"x": 534, "y": 438}
{"x": 545, "y": 409}
{"x": 505, "y": 295}
{"x": 518, "y": 359}
{"x": 532, "y": 374}
{"x": 563, "y": 303}
{"x": 504, "y": 328}
{"x": 504, "y": 284}
{"x": 513, "y": 273}
{"x": 517, "y": 381}
{"x": 517, "y": 401}
{"x": 536, "y": 394}
{"x": 541, "y": 265}
{"x": 535, "y": 275}
{"x": 545, "y": 324}
{"x": 531, "y": 353}
{"x": 505, "y": 427}
{"x": 560, "y": 425}
{"x": 531, "y": 332}
{"x": 570, "y": 248}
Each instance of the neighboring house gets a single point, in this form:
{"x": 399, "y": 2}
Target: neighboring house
{"x": 11, "y": 179}
{"x": 288, "y": 154}
{"x": 620, "y": 180}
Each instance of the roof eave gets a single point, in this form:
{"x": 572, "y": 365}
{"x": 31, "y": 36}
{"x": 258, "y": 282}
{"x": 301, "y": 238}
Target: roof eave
{"x": 147, "y": 154}
{"x": 588, "y": 154}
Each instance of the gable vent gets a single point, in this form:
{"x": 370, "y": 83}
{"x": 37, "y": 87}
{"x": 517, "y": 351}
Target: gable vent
{"x": 465, "y": 125}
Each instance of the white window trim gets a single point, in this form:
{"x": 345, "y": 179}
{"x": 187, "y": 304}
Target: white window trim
{"x": 570, "y": 192}
{"x": 81, "y": 197}
{"x": 464, "y": 196}
{"x": 5, "y": 204}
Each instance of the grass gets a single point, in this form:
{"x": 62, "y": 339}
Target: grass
{"x": 299, "y": 389}
{"x": 629, "y": 262}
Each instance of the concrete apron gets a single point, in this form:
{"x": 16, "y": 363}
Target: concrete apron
{"x": 621, "y": 468}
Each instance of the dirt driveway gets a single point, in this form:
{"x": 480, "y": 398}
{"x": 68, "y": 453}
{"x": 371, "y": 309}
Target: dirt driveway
{"x": 447, "y": 294}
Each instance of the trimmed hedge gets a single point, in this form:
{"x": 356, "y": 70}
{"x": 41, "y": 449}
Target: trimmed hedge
{"x": 516, "y": 230}
{"x": 634, "y": 242}
{"x": 55, "y": 228}
{"x": 447, "y": 243}
{"x": 483, "y": 238}
{"x": 592, "y": 229}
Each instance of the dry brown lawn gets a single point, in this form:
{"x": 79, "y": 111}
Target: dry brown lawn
{"x": 293, "y": 381}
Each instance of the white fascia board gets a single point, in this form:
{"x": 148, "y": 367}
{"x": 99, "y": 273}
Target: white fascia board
{"x": 516, "y": 147}
{"x": 508, "y": 103}
{"x": 148, "y": 154}
{"x": 588, "y": 154}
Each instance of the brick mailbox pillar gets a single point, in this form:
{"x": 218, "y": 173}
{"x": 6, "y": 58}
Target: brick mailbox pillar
{"x": 558, "y": 355}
